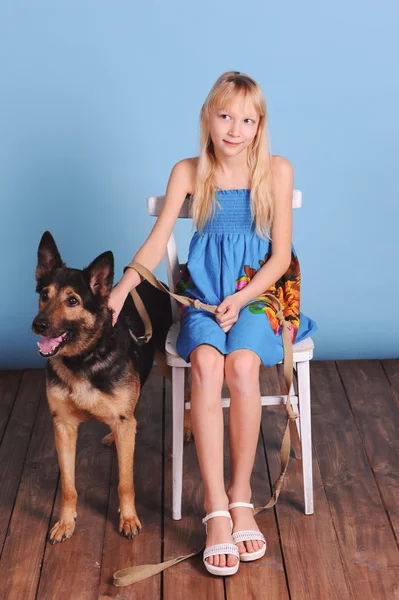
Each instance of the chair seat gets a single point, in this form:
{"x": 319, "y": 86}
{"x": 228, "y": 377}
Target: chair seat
{"x": 303, "y": 351}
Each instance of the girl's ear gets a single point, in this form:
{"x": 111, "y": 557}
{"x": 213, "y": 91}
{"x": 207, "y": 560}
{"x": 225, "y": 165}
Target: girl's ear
{"x": 48, "y": 257}
{"x": 100, "y": 274}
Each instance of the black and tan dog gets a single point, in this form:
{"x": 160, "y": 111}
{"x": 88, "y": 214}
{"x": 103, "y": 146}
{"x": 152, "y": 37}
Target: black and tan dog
{"x": 95, "y": 370}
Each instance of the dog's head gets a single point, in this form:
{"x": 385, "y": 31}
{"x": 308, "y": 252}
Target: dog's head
{"x": 73, "y": 303}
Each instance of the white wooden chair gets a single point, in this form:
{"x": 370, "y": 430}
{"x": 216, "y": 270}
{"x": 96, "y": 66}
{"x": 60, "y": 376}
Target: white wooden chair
{"x": 303, "y": 353}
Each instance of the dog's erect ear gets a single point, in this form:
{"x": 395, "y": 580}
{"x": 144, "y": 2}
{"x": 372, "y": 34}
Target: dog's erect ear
{"x": 101, "y": 274}
{"x": 48, "y": 257}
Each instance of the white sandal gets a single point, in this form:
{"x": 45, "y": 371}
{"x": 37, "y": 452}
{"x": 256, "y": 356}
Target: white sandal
{"x": 245, "y": 536}
{"x": 220, "y": 548}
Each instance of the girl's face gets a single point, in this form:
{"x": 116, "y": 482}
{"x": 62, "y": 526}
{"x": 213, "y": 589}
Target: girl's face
{"x": 233, "y": 129}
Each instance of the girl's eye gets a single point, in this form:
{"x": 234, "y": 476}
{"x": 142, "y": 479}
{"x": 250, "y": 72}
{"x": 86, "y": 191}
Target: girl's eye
{"x": 44, "y": 295}
{"x": 72, "y": 301}
{"x": 225, "y": 117}
{"x": 249, "y": 121}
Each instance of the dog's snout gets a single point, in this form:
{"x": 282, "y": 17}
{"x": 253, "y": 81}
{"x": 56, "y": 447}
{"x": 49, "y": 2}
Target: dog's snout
{"x": 40, "y": 326}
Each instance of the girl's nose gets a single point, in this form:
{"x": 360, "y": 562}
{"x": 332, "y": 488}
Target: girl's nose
{"x": 234, "y": 130}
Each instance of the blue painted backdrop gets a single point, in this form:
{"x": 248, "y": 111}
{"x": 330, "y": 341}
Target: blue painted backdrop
{"x": 99, "y": 99}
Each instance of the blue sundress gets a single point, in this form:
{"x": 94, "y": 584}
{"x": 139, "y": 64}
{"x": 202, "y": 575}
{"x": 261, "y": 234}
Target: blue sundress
{"x": 222, "y": 259}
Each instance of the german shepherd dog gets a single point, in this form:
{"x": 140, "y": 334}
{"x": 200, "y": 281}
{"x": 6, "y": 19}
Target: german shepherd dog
{"x": 94, "y": 370}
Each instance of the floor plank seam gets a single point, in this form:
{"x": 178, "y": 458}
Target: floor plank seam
{"x": 276, "y": 516}
{"x": 105, "y": 526}
{"x": 12, "y": 409}
{"x": 344, "y": 568}
{"x": 395, "y": 395}
{"x": 163, "y": 501}
{"x": 368, "y": 458}
{"x": 41, "y": 566}
{"x": 224, "y": 589}
{"x": 21, "y": 474}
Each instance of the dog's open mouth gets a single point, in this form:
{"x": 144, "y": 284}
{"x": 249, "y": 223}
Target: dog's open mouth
{"x": 49, "y": 346}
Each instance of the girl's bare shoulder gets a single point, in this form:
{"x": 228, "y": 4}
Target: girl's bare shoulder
{"x": 186, "y": 171}
{"x": 281, "y": 166}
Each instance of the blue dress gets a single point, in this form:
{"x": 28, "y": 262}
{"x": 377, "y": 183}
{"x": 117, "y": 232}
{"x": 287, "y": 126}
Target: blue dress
{"x": 221, "y": 260}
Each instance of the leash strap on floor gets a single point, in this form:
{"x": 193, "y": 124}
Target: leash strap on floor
{"x": 138, "y": 573}
{"x": 134, "y": 574}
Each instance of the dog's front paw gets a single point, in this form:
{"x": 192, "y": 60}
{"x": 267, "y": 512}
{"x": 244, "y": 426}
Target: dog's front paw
{"x": 129, "y": 527}
{"x": 108, "y": 440}
{"x": 61, "y": 531}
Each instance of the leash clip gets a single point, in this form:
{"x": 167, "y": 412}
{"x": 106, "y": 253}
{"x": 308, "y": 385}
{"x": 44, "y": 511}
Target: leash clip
{"x": 140, "y": 340}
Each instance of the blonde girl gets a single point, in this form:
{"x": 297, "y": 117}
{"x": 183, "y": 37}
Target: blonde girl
{"x": 242, "y": 247}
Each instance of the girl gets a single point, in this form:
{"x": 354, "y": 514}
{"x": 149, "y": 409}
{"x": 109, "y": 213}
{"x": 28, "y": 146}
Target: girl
{"x": 242, "y": 209}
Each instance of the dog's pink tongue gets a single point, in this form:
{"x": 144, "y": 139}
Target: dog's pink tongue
{"x": 46, "y": 344}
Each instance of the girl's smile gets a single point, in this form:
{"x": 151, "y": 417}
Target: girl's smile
{"x": 232, "y": 143}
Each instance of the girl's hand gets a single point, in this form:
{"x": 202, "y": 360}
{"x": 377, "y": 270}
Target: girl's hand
{"x": 228, "y": 312}
{"x": 116, "y": 301}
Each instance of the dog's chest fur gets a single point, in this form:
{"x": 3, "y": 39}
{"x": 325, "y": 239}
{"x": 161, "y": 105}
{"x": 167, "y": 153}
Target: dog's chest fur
{"x": 78, "y": 390}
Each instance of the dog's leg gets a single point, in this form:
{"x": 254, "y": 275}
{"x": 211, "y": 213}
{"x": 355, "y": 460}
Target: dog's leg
{"x": 188, "y": 429}
{"x": 125, "y": 438}
{"x": 163, "y": 367}
{"x": 167, "y": 372}
{"x": 66, "y": 433}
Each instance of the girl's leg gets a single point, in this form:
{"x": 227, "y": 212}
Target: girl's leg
{"x": 207, "y": 422}
{"x": 242, "y": 377}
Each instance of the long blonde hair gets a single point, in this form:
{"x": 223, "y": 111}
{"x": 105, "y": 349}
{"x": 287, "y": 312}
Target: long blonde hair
{"x": 259, "y": 156}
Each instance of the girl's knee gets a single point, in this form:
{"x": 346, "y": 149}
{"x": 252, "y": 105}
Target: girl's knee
{"x": 242, "y": 369}
{"x": 206, "y": 363}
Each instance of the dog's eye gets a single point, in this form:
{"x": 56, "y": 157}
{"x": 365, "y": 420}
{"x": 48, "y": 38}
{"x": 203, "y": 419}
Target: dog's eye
{"x": 72, "y": 301}
{"x": 44, "y": 295}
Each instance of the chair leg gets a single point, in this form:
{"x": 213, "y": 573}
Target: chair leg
{"x": 298, "y": 420}
{"x": 306, "y": 433}
{"x": 177, "y": 440}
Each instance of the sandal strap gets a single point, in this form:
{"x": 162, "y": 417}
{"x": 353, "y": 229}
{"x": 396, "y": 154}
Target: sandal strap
{"x": 217, "y": 513}
{"x": 245, "y": 536}
{"x": 244, "y": 504}
{"x": 221, "y": 549}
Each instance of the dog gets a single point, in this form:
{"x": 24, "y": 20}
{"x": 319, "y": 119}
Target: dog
{"x": 94, "y": 370}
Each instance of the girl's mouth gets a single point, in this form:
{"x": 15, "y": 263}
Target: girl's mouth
{"x": 232, "y": 143}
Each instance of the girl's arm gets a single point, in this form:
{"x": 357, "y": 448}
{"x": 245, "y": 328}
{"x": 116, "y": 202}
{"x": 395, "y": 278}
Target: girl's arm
{"x": 152, "y": 251}
{"x": 280, "y": 259}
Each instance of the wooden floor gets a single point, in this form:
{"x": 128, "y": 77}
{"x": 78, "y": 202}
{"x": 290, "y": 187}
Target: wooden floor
{"x": 347, "y": 549}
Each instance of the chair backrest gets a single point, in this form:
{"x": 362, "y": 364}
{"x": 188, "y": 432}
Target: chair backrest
{"x": 154, "y": 205}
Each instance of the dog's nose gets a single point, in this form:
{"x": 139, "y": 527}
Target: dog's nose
{"x": 40, "y": 326}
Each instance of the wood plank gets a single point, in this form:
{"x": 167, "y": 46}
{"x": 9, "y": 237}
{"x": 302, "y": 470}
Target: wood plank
{"x": 15, "y": 443}
{"x": 26, "y": 539}
{"x": 73, "y": 567}
{"x": 264, "y": 578}
{"x": 188, "y": 579}
{"x": 9, "y": 384}
{"x": 376, "y": 413}
{"x": 367, "y": 545}
{"x": 391, "y": 368}
{"x": 310, "y": 548}
{"x": 118, "y": 552}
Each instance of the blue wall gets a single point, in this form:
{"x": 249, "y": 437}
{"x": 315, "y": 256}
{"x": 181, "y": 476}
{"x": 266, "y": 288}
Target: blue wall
{"x": 99, "y": 99}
